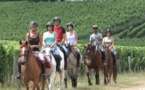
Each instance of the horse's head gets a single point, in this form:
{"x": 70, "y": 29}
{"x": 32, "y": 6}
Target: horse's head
{"x": 89, "y": 50}
{"x": 47, "y": 50}
{"x": 69, "y": 47}
{"x": 24, "y": 51}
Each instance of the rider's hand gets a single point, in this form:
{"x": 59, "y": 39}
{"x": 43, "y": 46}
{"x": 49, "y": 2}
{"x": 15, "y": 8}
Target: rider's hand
{"x": 32, "y": 46}
{"x": 110, "y": 48}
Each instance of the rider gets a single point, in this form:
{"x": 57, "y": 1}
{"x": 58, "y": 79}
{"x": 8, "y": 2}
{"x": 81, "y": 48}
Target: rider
{"x": 108, "y": 42}
{"x": 34, "y": 40}
{"x": 49, "y": 38}
{"x": 72, "y": 38}
{"x": 96, "y": 39}
{"x": 60, "y": 32}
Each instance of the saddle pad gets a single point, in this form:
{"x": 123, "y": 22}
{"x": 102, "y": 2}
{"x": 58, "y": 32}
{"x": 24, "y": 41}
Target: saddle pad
{"x": 74, "y": 53}
{"x": 48, "y": 65}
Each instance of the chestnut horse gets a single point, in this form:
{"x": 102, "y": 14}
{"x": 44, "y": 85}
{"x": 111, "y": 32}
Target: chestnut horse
{"x": 30, "y": 71}
{"x": 111, "y": 68}
{"x": 72, "y": 69}
{"x": 93, "y": 60}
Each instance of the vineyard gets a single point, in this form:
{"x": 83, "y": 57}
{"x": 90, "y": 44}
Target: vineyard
{"x": 126, "y": 19}
{"x": 119, "y": 15}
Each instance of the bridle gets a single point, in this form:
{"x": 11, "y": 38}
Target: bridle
{"x": 26, "y": 55}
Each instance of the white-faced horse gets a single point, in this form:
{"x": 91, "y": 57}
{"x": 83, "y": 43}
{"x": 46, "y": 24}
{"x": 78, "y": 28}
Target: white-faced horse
{"x": 49, "y": 56}
{"x": 60, "y": 75}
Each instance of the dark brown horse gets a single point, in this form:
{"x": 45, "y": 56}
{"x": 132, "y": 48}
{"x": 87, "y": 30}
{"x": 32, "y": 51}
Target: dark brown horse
{"x": 93, "y": 60}
{"x": 30, "y": 71}
{"x": 111, "y": 68}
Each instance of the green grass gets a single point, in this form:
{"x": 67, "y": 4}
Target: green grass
{"x": 124, "y": 82}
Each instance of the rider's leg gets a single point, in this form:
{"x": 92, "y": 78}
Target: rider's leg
{"x": 58, "y": 58}
{"x": 18, "y": 75}
{"x": 114, "y": 56}
{"x": 65, "y": 55}
{"x": 43, "y": 66}
{"x": 103, "y": 54}
{"x": 65, "y": 49}
{"x": 78, "y": 56}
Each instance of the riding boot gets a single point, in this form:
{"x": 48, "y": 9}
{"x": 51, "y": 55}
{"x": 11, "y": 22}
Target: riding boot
{"x": 58, "y": 63}
{"x": 18, "y": 75}
{"x": 114, "y": 58}
{"x": 78, "y": 59}
{"x": 44, "y": 71}
{"x": 103, "y": 58}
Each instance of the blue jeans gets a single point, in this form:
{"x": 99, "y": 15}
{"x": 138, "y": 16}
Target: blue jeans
{"x": 65, "y": 49}
{"x": 54, "y": 49}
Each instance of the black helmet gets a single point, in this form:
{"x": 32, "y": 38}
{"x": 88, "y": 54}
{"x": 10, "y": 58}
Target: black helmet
{"x": 57, "y": 18}
{"x": 95, "y": 26}
{"x": 49, "y": 24}
{"x": 33, "y": 23}
{"x": 108, "y": 30}
{"x": 70, "y": 24}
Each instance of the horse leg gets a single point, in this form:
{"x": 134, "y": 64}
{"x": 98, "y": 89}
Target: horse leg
{"x": 97, "y": 77}
{"x": 114, "y": 74}
{"x": 72, "y": 80}
{"x": 35, "y": 84}
{"x": 109, "y": 77}
{"x": 89, "y": 80}
{"x": 26, "y": 84}
{"x": 75, "y": 81}
{"x": 43, "y": 84}
{"x": 65, "y": 81}
{"x": 88, "y": 75}
{"x": 38, "y": 88}
{"x": 105, "y": 75}
{"x": 51, "y": 80}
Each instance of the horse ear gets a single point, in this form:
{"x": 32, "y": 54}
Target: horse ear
{"x": 20, "y": 42}
{"x": 93, "y": 48}
{"x": 26, "y": 43}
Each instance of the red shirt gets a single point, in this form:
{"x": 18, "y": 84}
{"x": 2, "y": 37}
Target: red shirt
{"x": 59, "y": 32}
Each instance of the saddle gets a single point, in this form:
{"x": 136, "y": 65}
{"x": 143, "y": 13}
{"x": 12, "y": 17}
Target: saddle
{"x": 48, "y": 65}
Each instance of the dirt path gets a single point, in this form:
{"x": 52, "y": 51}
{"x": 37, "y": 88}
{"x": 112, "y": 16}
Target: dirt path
{"x": 138, "y": 87}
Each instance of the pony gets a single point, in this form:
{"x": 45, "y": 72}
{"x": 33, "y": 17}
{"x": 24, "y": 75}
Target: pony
{"x": 72, "y": 69}
{"x": 110, "y": 66}
{"x": 93, "y": 61}
{"x": 30, "y": 70}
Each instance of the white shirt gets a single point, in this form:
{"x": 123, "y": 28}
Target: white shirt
{"x": 71, "y": 38}
{"x": 95, "y": 38}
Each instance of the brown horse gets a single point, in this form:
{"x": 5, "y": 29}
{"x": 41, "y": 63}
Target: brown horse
{"x": 30, "y": 71}
{"x": 111, "y": 68}
{"x": 93, "y": 60}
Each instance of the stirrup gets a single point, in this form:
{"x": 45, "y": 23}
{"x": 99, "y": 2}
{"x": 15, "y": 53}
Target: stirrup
{"x": 58, "y": 69}
{"x": 44, "y": 76}
{"x": 18, "y": 76}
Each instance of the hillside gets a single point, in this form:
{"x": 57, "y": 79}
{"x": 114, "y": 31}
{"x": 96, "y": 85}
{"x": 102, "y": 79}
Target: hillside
{"x": 16, "y": 16}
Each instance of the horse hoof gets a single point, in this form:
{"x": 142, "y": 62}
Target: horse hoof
{"x": 90, "y": 84}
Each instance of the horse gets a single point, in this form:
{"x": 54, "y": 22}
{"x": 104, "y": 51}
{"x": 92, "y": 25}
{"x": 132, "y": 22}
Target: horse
{"x": 109, "y": 63}
{"x": 60, "y": 75}
{"x": 30, "y": 70}
{"x": 72, "y": 69}
{"x": 93, "y": 60}
{"x": 48, "y": 53}
{"x": 111, "y": 68}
